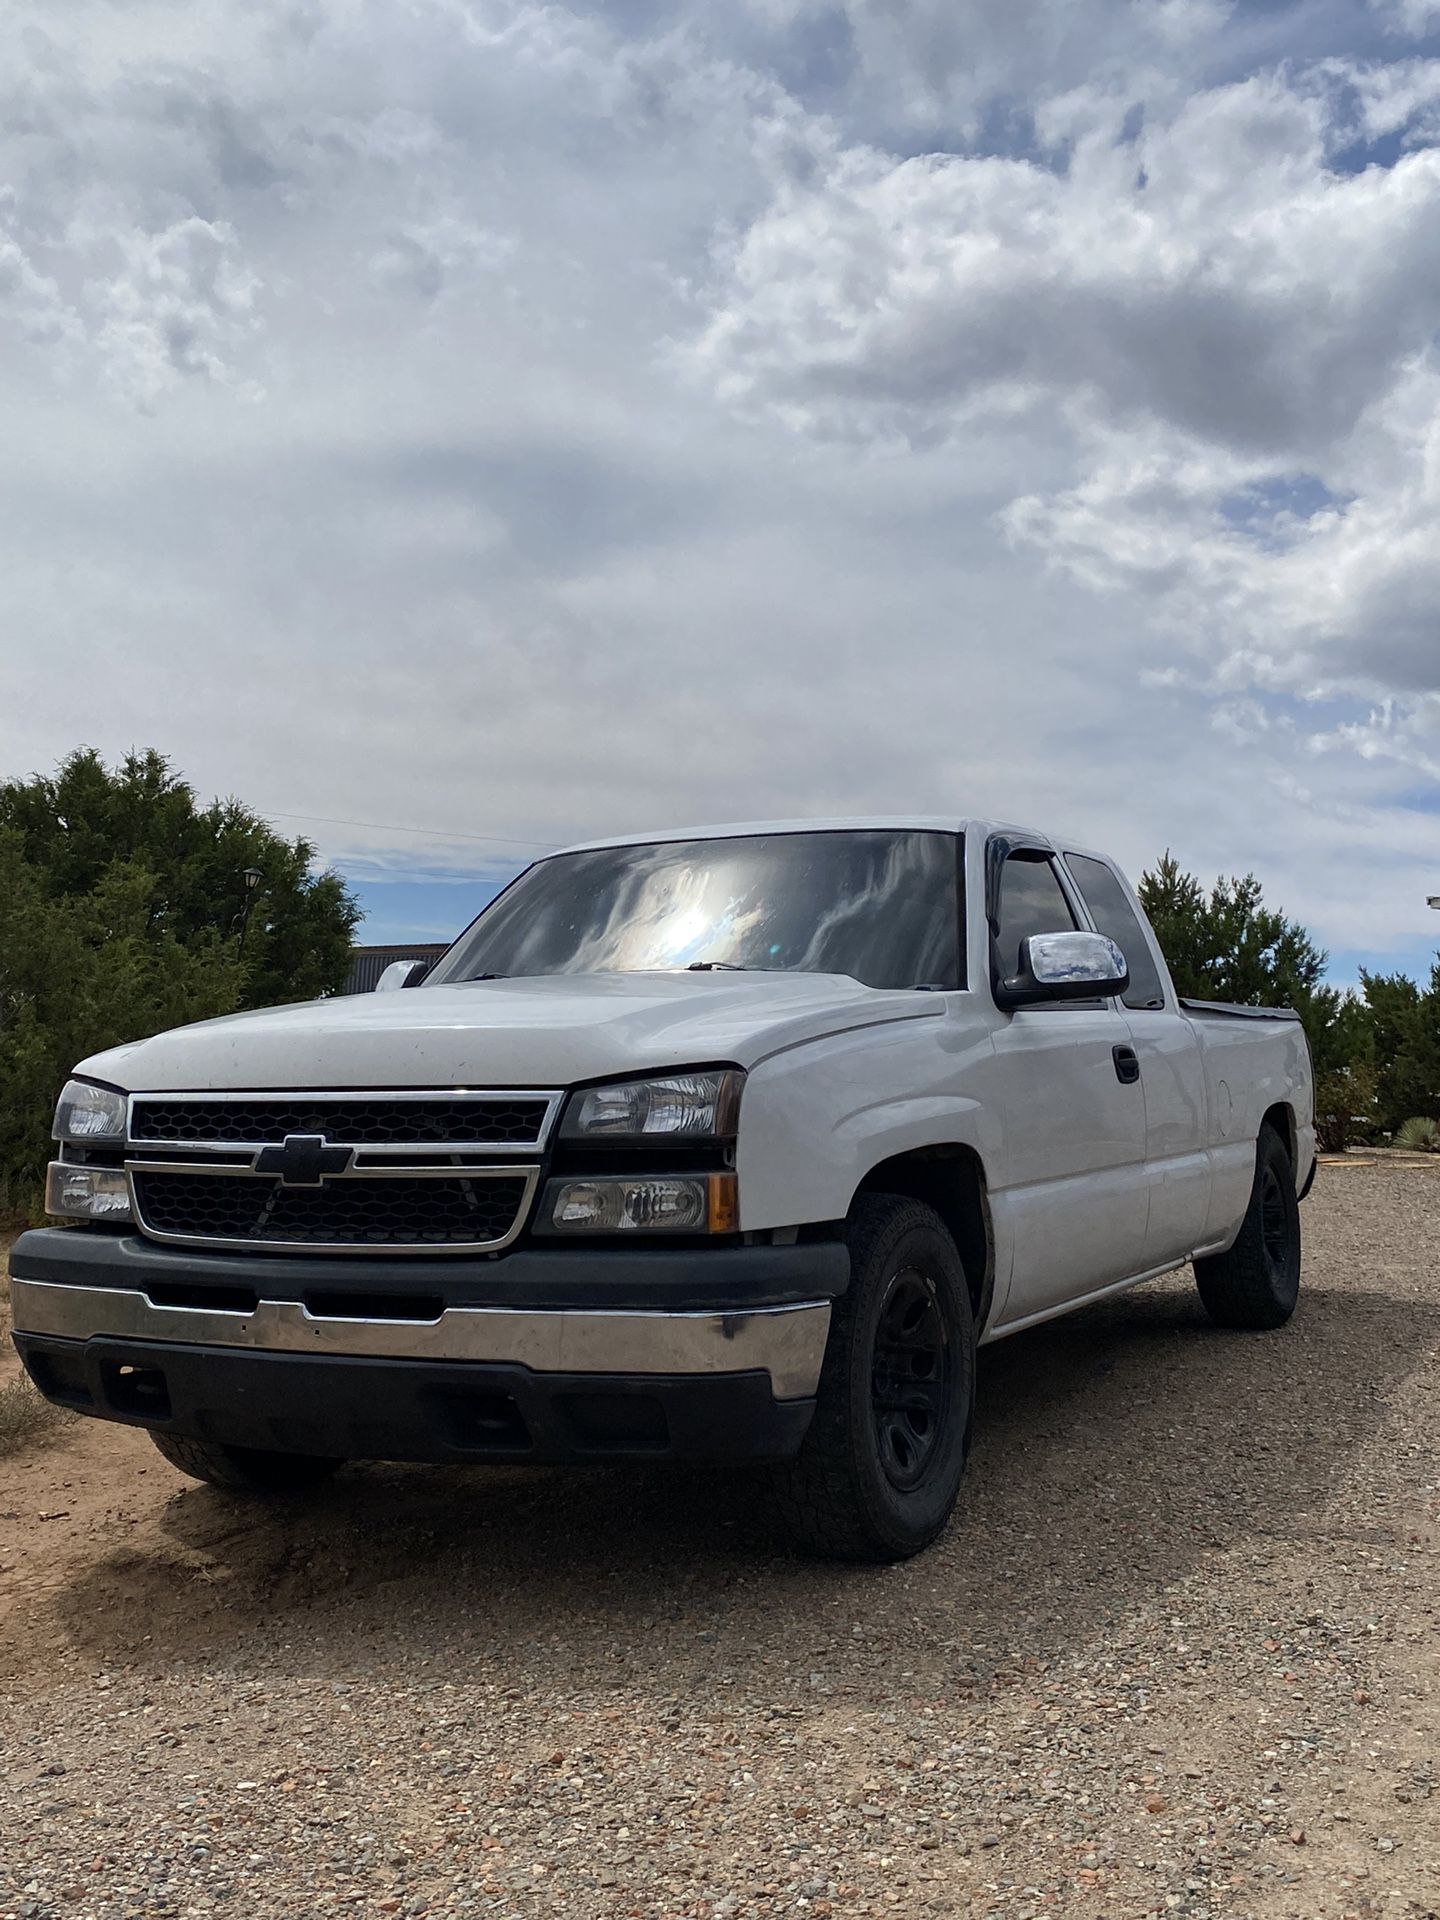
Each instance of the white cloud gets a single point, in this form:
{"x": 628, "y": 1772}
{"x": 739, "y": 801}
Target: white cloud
{"x": 1212, "y": 275}
{"x": 1240, "y": 338}
{"x": 180, "y": 306}
{"x": 1342, "y": 593}
{"x": 1396, "y": 97}
{"x": 522, "y": 419}
{"x": 31, "y": 303}
{"x": 948, "y": 70}
{"x": 1411, "y": 17}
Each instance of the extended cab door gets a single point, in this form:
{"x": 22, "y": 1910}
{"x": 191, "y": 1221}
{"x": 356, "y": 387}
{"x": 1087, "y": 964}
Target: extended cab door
{"x": 1068, "y": 1186}
{"x": 1172, "y": 1070}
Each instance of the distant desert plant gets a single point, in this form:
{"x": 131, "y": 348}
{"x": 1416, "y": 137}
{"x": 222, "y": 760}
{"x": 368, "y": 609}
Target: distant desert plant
{"x": 25, "y": 1418}
{"x": 1345, "y": 1107}
{"x": 1419, "y": 1136}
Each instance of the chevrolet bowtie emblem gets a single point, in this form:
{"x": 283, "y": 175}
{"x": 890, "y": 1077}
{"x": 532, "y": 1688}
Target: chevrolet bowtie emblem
{"x": 304, "y": 1160}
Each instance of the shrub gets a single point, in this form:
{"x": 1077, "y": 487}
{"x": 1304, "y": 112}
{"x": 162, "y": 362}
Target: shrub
{"x": 26, "y": 1419}
{"x": 1345, "y": 1108}
{"x": 1419, "y": 1136}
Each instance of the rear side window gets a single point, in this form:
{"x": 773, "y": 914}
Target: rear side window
{"x": 1031, "y": 901}
{"x": 1113, "y": 914}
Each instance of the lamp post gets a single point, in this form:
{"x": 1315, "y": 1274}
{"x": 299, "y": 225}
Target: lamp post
{"x": 252, "y": 877}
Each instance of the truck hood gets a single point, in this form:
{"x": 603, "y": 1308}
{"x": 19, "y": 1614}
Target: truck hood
{"x": 544, "y": 1032}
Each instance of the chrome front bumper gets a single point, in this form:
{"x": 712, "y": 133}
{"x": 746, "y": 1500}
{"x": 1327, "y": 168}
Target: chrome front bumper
{"x": 786, "y": 1342}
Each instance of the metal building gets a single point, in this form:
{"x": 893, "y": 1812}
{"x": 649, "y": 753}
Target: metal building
{"x": 368, "y": 963}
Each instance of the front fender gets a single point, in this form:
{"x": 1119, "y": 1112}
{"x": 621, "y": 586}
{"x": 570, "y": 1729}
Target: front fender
{"x": 817, "y": 1119}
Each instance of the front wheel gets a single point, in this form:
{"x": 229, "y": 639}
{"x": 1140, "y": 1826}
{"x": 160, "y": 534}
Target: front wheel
{"x": 1256, "y": 1283}
{"x": 244, "y": 1469}
{"x": 879, "y": 1470}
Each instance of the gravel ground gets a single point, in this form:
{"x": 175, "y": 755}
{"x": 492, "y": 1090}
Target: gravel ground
{"x": 1177, "y": 1654}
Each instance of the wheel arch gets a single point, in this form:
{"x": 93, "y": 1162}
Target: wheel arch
{"x": 1281, "y": 1120}
{"x": 950, "y": 1178}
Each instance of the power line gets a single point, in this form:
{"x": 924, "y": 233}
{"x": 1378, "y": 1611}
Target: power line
{"x": 426, "y": 833}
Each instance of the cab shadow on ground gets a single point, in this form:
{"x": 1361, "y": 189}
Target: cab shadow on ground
{"x": 1113, "y": 1451}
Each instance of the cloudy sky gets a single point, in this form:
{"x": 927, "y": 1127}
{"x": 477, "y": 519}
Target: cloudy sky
{"x": 521, "y": 422}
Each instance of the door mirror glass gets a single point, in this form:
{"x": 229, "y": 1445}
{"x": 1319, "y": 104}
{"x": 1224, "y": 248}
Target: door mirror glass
{"x": 402, "y": 973}
{"x": 1064, "y": 966}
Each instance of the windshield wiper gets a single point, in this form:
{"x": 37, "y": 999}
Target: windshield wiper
{"x": 715, "y": 966}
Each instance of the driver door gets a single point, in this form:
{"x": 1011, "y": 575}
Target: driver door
{"x": 1068, "y": 1186}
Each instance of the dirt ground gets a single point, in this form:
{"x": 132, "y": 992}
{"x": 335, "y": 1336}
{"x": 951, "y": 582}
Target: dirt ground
{"x": 1178, "y": 1653}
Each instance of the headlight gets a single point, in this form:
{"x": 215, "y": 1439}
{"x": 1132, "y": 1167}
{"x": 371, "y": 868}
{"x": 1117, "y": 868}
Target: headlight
{"x": 86, "y": 1193}
{"x": 664, "y": 1203}
{"x": 87, "y": 1113}
{"x": 681, "y": 1106}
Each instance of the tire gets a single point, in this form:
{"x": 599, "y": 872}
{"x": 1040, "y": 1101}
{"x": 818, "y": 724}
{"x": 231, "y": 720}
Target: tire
{"x": 244, "y": 1469}
{"x": 878, "y": 1472}
{"x": 1257, "y": 1283}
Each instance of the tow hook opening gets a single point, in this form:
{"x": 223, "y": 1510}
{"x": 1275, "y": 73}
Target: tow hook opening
{"x": 141, "y": 1391}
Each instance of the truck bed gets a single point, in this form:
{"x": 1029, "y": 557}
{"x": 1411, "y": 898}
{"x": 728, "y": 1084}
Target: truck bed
{"x": 1225, "y": 1009}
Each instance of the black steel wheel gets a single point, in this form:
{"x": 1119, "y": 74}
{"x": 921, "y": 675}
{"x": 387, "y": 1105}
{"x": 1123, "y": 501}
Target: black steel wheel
{"x": 879, "y": 1470}
{"x": 1275, "y": 1230}
{"x": 1255, "y": 1284}
{"x": 910, "y": 1377}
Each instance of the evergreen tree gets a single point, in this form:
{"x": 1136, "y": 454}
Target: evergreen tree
{"x": 1228, "y": 945}
{"x": 120, "y": 911}
{"x": 1405, "y": 1023}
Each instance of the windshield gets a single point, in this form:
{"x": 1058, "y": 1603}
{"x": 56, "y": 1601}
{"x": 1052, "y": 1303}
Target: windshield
{"x": 881, "y": 906}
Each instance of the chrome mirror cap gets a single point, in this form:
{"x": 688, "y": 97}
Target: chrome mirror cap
{"x": 399, "y": 973}
{"x": 1062, "y": 959}
{"x": 1064, "y": 966}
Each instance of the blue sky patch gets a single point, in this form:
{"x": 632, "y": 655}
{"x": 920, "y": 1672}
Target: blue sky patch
{"x": 419, "y": 903}
{"x": 1414, "y": 960}
{"x": 1265, "y": 509}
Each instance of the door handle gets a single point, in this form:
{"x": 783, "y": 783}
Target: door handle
{"x": 1127, "y": 1065}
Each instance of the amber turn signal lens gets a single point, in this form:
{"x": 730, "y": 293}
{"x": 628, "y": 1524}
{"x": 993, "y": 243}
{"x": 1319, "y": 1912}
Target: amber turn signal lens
{"x": 724, "y": 1203}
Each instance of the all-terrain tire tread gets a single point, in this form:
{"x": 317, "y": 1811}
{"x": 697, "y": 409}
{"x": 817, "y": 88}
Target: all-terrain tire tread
{"x": 816, "y": 1492}
{"x": 239, "y": 1469}
{"x": 1236, "y": 1287}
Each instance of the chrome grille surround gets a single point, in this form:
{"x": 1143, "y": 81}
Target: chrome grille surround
{"x": 461, "y": 1164}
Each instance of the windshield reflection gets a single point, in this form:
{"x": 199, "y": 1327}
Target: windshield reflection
{"x": 881, "y": 906}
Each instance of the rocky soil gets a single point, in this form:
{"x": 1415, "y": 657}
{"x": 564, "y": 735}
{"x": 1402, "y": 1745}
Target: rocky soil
{"x": 1179, "y": 1653}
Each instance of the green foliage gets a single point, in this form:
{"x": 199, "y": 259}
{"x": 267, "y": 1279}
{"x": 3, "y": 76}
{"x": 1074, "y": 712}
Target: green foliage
{"x": 1419, "y": 1136}
{"x": 1346, "y": 1113}
{"x": 1376, "y": 1053}
{"x": 1405, "y": 1022}
{"x": 76, "y": 826}
{"x": 1228, "y": 945}
{"x": 120, "y": 906}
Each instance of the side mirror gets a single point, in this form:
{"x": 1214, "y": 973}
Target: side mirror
{"x": 1064, "y": 966}
{"x": 402, "y": 973}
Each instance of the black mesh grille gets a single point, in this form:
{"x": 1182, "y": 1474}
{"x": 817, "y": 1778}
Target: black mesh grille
{"x": 349, "y": 1212}
{"x": 493, "y": 1121}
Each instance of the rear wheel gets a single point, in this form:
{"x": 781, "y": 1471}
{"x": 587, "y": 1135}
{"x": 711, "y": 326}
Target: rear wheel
{"x": 879, "y": 1470}
{"x": 1256, "y": 1284}
{"x": 244, "y": 1469}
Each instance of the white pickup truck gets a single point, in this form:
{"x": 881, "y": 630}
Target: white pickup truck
{"x": 727, "y": 1143}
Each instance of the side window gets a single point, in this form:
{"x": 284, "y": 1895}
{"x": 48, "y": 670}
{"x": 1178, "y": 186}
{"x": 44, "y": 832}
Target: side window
{"x": 1031, "y": 901}
{"x": 1113, "y": 915}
